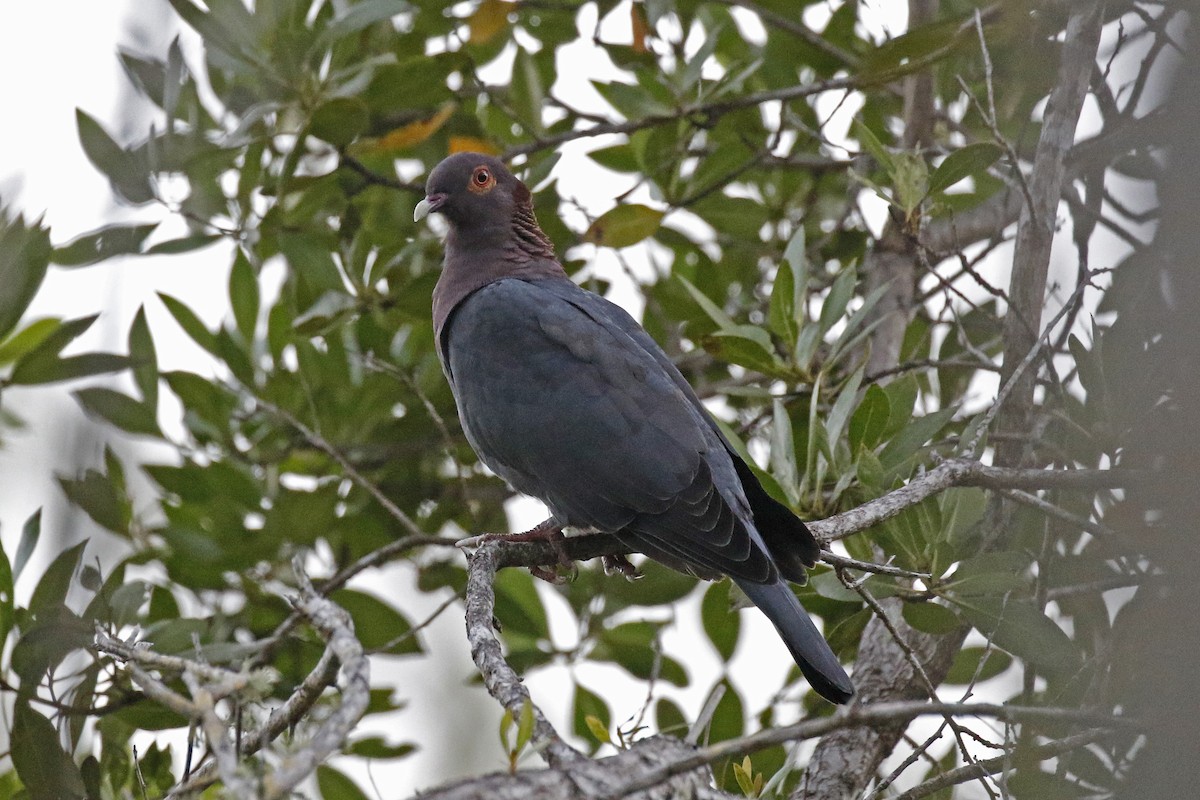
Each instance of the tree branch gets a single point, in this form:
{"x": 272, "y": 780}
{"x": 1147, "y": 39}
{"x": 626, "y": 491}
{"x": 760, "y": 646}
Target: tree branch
{"x": 501, "y": 680}
{"x": 1035, "y": 232}
{"x": 871, "y": 716}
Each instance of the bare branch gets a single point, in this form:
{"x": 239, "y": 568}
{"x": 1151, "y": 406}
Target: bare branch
{"x": 991, "y": 766}
{"x": 337, "y": 629}
{"x": 870, "y": 716}
{"x": 1035, "y": 233}
{"x": 501, "y": 680}
{"x": 589, "y": 780}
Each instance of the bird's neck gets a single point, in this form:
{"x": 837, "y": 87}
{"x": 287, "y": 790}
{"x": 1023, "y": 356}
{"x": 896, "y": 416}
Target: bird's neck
{"x": 485, "y": 255}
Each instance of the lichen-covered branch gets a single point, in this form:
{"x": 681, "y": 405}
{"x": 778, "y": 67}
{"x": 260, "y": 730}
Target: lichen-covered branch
{"x": 501, "y": 680}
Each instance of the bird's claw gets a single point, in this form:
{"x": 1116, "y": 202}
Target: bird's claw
{"x": 620, "y": 565}
{"x": 549, "y": 532}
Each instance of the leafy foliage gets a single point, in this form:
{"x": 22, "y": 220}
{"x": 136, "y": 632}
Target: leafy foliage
{"x": 327, "y": 394}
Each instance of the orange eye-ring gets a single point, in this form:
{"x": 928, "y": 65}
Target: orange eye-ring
{"x": 482, "y": 180}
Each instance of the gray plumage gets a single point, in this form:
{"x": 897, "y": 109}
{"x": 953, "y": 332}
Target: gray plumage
{"x": 568, "y": 399}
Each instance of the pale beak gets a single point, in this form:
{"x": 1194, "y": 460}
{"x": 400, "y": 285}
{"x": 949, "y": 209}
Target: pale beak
{"x": 427, "y": 206}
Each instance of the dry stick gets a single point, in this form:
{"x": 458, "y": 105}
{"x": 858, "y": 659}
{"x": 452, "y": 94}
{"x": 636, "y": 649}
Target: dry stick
{"x": 281, "y": 719}
{"x": 337, "y": 629}
{"x": 918, "y": 669}
{"x": 964, "y": 472}
{"x": 993, "y": 765}
{"x": 867, "y": 716}
{"x": 705, "y": 110}
{"x": 948, "y": 474}
{"x": 204, "y": 700}
{"x": 841, "y": 562}
{"x": 1051, "y": 510}
{"x": 798, "y": 29}
{"x": 230, "y": 681}
{"x": 501, "y": 680}
{"x": 1035, "y": 231}
{"x": 201, "y": 707}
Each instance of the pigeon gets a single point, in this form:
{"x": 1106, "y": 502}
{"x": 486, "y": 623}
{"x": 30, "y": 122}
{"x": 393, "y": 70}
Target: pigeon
{"x": 567, "y": 398}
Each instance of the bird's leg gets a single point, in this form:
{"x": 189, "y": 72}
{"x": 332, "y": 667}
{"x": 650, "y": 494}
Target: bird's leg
{"x": 620, "y": 565}
{"x": 547, "y": 531}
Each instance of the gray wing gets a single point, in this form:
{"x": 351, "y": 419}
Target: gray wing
{"x": 569, "y": 407}
{"x": 791, "y": 545}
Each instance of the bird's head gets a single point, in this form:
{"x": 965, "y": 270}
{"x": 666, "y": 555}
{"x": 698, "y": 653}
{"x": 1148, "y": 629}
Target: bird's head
{"x": 472, "y": 191}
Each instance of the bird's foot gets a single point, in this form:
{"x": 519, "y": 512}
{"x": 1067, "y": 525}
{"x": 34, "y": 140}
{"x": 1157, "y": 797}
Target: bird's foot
{"x": 548, "y": 531}
{"x": 620, "y": 565}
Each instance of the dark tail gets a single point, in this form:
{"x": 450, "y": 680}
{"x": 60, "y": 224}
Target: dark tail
{"x": 818, "y": 663}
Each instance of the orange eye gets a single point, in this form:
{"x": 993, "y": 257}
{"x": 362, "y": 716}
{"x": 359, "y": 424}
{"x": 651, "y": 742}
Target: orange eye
{"x": 482, "y": 180}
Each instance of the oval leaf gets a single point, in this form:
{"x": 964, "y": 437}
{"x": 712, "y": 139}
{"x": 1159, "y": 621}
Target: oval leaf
{"x": 624, "y": 226}
{"x": 962, "y": 163}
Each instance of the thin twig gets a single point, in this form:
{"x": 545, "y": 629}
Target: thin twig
{"x": 870, "y": 715}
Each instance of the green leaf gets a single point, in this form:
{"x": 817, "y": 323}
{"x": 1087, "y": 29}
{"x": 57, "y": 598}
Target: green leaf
{"x": 191, "y": 324}
{"x": 50, "y": 594}
{"x": 100, "y": 499}
{"x": 835, "y": 423}
{"x": 787, "y": 301}
{"x": 963, "y": 163}
{"x": 617, "y": 157}
{"x": 747, "y": 346}
{"x": 930, "y": 618}
{"x": 335, "y": 785}
{"x": 633, "y": 646}
{"x": 659, "y": 586}
{"x": 44, "y": 645}
{"x": 870, "y": 419}
{"x": 967, "y": 665}
{"x": 143, "y": 360}
{"x": 119, "y": 409}
{"x": 96, "y": 246}
{"x": 518, "y": 607}
{"x": 31, "y": 371}
{"x": 908, "y": 51}
{"x": 902, "y": 399}
{"x": 624, "y": 225}
{"x": 784, "y": 466}
{"x": 24, "y": 256}
{"x": 710, "y": 308}
{"x": 31, "y": 531}
{"x": 905, "y": 444}
{"x": 590, "y": 715}
{"x": 721, "y": 624}
{"x": 669, "y": 718}
{"x": 27, "y": 339}
{"x": 1023, "y": 629}
{"x": 528, "y": 93}
{"x": 184, "y": 244}
{"x": 339, "y": 121}
{"x": 873, "y": 145}
{"x": 631, "y": 101}
{"x": 838, "y": 298}
{"x": 6, "y": 596}
{"x": 598, "y": 729}
{"x": 47, "y": 771}
{"x": 911, "y": 178}
{"x": 377, "y": 747}
{"x": 128, "y": 177}
{"x": 243, "y": 295}
{"x": 525, "y": 725}
{"x": 376, "y": 623}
